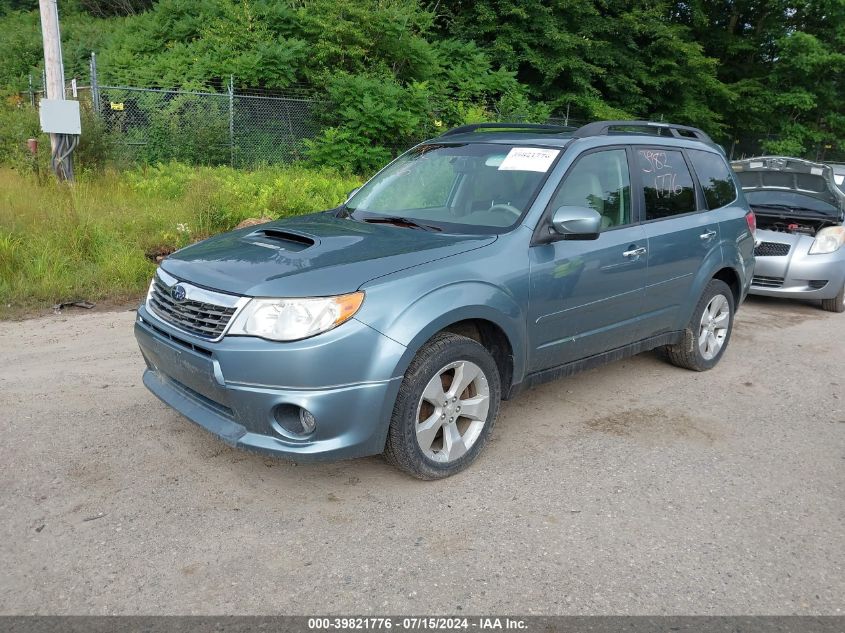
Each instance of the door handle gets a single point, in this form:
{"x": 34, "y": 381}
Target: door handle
{"x": 708, "y": 234}
{"x": 635, "y": 252}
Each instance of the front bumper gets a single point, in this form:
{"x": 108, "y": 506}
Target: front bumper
{"x": 231, "y": 388}
{"x": 797, "y": 275}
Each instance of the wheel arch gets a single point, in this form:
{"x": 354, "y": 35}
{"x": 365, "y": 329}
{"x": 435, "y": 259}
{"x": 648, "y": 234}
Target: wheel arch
{"x": 477, "y": 323}
{"x": 482, "y": 312}
{"x": 714, "y": 267}
{"x": 494, "y": 339}
{"x": 730, "y": 276}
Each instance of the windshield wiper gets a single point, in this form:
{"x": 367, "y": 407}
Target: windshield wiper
{"x": 398, "y": 220}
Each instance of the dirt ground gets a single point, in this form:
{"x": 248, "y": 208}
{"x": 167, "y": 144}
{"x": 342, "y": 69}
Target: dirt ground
{"x": 636, "y": 488}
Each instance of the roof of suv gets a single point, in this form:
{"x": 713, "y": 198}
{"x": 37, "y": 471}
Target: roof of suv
{"x": 560, "y": 136}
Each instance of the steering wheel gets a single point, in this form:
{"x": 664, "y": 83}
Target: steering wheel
{"x": 507, "y": 208}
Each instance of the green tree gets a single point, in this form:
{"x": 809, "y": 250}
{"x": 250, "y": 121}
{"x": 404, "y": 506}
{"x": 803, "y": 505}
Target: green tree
{"x": 783, "y": 62}
{"x": 604, "y": 59}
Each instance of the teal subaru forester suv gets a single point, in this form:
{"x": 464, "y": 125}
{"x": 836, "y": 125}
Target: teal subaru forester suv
{"x": 476, "y": 265}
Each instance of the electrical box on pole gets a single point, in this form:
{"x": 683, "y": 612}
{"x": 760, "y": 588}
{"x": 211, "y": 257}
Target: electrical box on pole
{"x": 60, "y": 116}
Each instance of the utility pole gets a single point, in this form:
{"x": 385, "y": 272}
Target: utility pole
{"x": 54, "y": 71}
{"x": 54, "y": 86}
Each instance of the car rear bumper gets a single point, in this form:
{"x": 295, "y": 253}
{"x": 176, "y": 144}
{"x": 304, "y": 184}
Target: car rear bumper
{"x": 215, "y": 386}
{"x": 797, "y": 275}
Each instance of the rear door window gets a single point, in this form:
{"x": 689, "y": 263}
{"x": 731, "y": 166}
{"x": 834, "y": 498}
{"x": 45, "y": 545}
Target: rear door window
{"x": 668, "y": 188}
{"x": 715, "y": 178}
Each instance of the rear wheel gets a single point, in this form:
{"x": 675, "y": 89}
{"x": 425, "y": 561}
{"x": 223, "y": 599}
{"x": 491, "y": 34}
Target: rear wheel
{"x": 708, "y": 333}
{"x": 446, "y": 408}
{"x": 837, "y": 304}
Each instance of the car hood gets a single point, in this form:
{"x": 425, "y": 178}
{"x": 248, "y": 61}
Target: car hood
{"x": 312, "y": 255}
{"x": 780, "y": 173}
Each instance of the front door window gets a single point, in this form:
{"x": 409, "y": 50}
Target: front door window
{"x": 599, "y": 181}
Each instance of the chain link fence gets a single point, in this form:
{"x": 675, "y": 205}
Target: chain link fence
{"x": 271, "y": 129}
{"x": 242, "y": 130}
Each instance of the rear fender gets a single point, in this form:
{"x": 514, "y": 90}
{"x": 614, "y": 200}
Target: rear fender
{"x": 728, "y": 256}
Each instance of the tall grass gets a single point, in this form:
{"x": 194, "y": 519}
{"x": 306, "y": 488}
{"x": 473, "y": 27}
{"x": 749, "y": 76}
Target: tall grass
{"x": 90, "y": 240}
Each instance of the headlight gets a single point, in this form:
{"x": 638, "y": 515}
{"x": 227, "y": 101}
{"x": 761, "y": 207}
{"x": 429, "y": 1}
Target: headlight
{"x": 828, "y": 240}
{"x": 294, "y": 319}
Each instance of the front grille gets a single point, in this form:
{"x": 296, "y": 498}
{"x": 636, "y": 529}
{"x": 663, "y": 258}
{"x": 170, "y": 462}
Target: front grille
{"x": 203, "y": 319}
{"x": 771, "y": 249}
{"x": 177, "y": 340}
{"x": 767, "y": 282}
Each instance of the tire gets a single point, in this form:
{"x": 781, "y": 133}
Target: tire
{"x": 428, "y": 379}
{"x": 693, "y": 352}
{"x": 837, "y": 304}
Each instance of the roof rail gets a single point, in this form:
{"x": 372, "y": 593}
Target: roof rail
{"x": 537, "y": 127}
{"x": 599, "y": 128}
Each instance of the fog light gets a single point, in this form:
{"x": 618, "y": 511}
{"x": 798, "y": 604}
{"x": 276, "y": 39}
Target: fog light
{"x": 308, "y": 421}
{"x": 293, "y": 421}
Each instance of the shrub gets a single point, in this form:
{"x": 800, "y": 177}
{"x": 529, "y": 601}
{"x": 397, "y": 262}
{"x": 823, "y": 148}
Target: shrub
{"x": 346, "y": 150}
{"x": 97, "y": 144}
{"x": 373, "y": 118}
{"x": 19, "y": 122}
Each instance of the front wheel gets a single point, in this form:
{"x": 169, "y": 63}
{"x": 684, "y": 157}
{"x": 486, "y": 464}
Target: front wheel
{"x": 837, "y": 304}
{"x": 446, "y": 408}
{"x": 708, "y": 333}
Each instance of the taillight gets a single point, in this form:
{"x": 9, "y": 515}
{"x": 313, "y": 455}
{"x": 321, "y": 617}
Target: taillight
{"x": 751, "y": 220}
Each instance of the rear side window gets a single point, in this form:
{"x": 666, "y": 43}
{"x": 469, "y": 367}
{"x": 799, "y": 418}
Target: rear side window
{"x": 715, "y": 178}
{"x": 667, "y": 183}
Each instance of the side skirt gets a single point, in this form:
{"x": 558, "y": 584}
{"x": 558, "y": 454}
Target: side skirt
{"x": 575, "y": 367}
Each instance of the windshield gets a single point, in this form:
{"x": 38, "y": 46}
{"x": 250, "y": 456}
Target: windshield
{"x": 790, "y": 199}
{"x": 468, "y": 188}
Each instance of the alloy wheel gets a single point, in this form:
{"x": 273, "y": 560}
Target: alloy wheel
{"x": 714, "y": 327}
{"x": 452, "y": 411}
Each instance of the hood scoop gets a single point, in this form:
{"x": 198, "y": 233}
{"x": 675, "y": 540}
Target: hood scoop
{"x": 281, "y": 239}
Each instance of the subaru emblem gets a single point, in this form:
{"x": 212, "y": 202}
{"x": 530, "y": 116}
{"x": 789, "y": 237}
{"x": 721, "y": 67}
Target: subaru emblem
{"x": 178, "y": 293}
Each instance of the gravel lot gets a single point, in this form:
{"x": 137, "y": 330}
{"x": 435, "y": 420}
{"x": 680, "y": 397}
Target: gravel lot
{"x": 636, "y": 488}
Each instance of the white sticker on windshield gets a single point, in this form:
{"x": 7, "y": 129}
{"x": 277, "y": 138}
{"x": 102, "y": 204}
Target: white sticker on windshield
{"x": 839, "y": 179}
{"x": 816, "y": 171}
{"x": 755, "y": 165}
{"x": 529, "y": 159}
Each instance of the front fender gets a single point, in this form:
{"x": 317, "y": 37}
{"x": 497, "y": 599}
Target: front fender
{"x": 414, "y": 322}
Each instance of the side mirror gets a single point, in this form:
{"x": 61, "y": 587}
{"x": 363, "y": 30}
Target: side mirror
{"x": 576, "y": 223}
{"x": 353, "y": 192}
